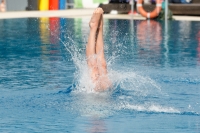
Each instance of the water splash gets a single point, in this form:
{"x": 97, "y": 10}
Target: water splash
{"x": 126, "y": 80}
{"x": 130, "y": 89}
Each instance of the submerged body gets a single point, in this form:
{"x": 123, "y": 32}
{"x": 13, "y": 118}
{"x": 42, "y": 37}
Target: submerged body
{"x": 95, "y": 52}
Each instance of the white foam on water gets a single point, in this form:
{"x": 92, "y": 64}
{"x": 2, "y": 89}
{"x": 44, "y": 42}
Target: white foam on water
{"x": 150, "y": 107}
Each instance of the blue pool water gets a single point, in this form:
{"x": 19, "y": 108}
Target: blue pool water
{"x": 154, "y": 66}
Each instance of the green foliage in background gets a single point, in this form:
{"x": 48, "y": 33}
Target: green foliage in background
{"x": 99, "y": 1}
{"x": 78, "y": 4}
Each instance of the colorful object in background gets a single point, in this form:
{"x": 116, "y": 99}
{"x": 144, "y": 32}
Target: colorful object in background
{"x": 44, "y": 32}
{"x": 54, "y": 25}
{"x": 146, "y": 28}
{"x": 63, "y": 24}
{"x": 62, "y": 4}
{"x": 152, "y": 14}
{"x": 53, "y": 4}
{"x": 44, "y": 5}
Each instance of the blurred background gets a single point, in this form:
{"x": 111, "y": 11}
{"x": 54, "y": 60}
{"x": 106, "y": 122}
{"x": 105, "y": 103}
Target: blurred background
{"x": 178, "y": 7}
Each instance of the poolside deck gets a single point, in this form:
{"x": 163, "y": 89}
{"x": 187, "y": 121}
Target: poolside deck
{"x": 81, "y": 13}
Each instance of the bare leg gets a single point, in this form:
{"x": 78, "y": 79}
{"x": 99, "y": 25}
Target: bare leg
{"x": 100, "y": 50}
{"x": 91, "y": 45}
{"x": 95, "y": 52}
{"x": 103, "y": 80}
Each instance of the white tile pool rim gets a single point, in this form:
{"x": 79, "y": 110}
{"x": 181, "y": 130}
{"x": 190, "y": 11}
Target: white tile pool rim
{"x": 81, "y": 13}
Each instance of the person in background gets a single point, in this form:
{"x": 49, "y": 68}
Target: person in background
{"x": 3, "y": 6}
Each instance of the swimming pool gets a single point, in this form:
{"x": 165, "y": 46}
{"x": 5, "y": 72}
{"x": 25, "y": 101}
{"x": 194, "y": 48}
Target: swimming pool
{"x": 155, "y": 69}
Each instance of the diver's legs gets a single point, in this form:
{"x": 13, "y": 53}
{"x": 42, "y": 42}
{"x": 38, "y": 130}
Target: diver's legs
{"x": 103, "y": 81}
{"x": 91, "y": 45}
{"x": 100, "y": 49}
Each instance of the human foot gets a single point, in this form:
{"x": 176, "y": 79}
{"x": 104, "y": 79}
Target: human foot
{"x": 96, "y": 21}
